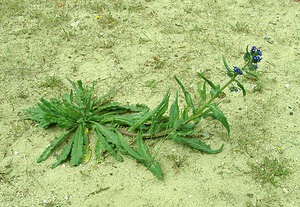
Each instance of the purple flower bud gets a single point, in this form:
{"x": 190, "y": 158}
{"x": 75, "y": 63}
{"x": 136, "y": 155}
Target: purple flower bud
{"x": 253, "y": 49}
{"x": 256, "y": 59}
{"x": 237, "y": 70}
{"x": 259, "y": 52}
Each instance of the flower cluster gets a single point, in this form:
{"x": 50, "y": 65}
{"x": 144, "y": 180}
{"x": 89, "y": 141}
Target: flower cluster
{"x": 256, "y": 55}
{"x": 252, "y": 58}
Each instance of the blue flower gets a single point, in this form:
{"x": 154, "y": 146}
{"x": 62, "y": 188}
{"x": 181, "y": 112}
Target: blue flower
{"x": 253, "y": 49}
{"x": 255, "y": 67}
{"x": 256, "y": 59}
{"x": 237, "y": 70}
{"x": 259, "y": 52}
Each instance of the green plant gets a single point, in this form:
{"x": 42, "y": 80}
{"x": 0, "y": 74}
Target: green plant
{"x": 51, "y": 81}
{"x": 80, "y": 112}
{"x": 269, "y": 169}
{"x": 242, "y": 27}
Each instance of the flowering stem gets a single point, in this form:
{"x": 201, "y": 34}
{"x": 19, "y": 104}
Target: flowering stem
{"x": 199, "y": 112}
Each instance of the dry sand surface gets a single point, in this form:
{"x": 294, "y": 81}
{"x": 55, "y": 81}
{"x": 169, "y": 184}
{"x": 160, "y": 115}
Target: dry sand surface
{"x": 138, "y": 47}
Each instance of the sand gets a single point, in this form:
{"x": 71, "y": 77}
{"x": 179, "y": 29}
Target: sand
{"x": 137, "y": 47}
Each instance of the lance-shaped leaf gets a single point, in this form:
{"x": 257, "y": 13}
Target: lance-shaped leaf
{"x": 65, "y": 153}
{"x": 230, "y": 72}
{"x": 252, "y": 75}
{"x": 213, "y": 86}
{"x": 77, "y": 149}
{"x": 187, "y": 95}
{"x": 202, "y": 92}
{"x": 53, "y": 145}
{"x": 106, "y": 145}
{"x": 99, "y": 150}
{"x": 174, "y": 112}
{"x": 215, "y": 90}
{"x": 157, "y": 119}
{"x": 149, "y": 115}
{"x": 152, "y": 165}
{"x": 109, "y": 135}
{"x": 197, "y": 144}
{"x": 217, "y": 114}
{"x": 241, "y": 87}
{"x": 133, "y": 153}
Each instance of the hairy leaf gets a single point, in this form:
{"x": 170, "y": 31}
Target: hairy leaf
{"x": 133, "y": 153}
{"x": 220, "y": 117}
{"x": 152, "y": 165}
{"x": 106, "y": 145}
{"x": 187, "y": 95}
{"x": 174, "y": 112}
{"x": 230, "y": 72}
{"x": 65, "y": 153}
{"x": 213, "y": 86}
{"x": 242, "y": 87}
{"x": 202, "y": 92}
{"x": 150, "y": 114}
{"x": 53, "y": 145}
{"x": 197, "y": 144}
{"x": 109, "y": 135}
{"x": 77, "y": 149}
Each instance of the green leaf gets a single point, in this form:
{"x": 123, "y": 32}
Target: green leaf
{"x": 174, "y": 112}
{"x": 202, "y": 92}
{"x": 215, "y": 90}
{"x": 187, "y": 95}
{"x": 65, "y": 153}
{"x": 152, "y": 165}
{"x": 197, "y": 144}
{"x": 241, "y": 87}
{"x": 230, "y": 72}
{"x": 251, "y": 74}
{"x": 129, "y": 149}
{"x": 98, "y": 149}
{"x": 109, "y": 135}
{"x": 247, "y": 56}
{"x": 220, "y": 116}
{"x": 106, "y": 145}
{"x": 53, "y": 145}
{"x": 103, "y": 98}
{"x": 150, "y": 114}
{"x": 155, "y": 168}
{"x": 157, "y": 120}
{"x": 185, "y": 113}
{"x": 77, "y": 149}
{"x": 208, "y": 81}
{"x": 107, "y": 107}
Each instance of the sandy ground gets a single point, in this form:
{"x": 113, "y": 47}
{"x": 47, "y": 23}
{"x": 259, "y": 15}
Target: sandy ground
{"x": 137, "y": 47}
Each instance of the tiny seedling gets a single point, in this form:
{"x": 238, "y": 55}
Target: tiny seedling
{"x": 52, "y": 81}
{"x": 116, "y": 126}
{"x": 241, "y": 27}
{"x": 269, "y": 170}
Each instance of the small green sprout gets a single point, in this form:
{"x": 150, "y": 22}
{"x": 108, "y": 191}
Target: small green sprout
{"x": 269, "y": 170}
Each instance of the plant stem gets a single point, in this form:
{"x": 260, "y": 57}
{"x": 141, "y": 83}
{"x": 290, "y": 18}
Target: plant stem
{"x": 196, "y": 115}
{"x": 199, "y": 113}
{"x": 146, "y": 136}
